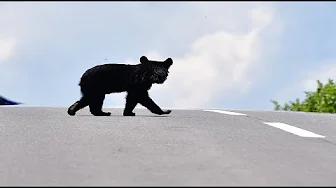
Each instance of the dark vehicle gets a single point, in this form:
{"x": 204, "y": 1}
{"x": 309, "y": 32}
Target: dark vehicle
{"x": 4, "y": 101}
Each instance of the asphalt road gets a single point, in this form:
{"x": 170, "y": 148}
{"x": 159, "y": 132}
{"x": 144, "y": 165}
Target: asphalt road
{"x": 46, "y": 147}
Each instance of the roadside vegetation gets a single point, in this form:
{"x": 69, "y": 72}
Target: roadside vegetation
{"x": 322, "y": 100}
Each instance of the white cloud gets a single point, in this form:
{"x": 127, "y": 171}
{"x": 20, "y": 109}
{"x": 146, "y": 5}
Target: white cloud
{"x": 307, "y": 81}
{"x": 217, "y": 65}
{"x": 215, "y": 46}
{"x": 328, "y": 71}
{"x": 6, "y": 49}
{"x": 260, "y": 17}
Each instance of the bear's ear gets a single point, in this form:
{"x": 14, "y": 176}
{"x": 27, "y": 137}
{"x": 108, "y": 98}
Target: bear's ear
{"x": 168, "y": 62}
{"x": 143, "y": 59}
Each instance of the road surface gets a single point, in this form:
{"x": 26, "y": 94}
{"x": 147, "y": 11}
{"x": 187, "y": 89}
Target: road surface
{"x": 46, "y": 147}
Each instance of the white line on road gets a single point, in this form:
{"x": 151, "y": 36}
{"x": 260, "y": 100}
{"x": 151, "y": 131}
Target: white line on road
{"x": 294, "y": 130}
{"x": 282, "y": 126}
{"x": 226, "y": 112}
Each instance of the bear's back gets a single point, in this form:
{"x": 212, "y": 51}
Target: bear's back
{"x": 107, "y": 78}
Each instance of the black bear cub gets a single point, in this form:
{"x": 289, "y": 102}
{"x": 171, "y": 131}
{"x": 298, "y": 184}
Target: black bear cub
{"x": 136, "y": 80}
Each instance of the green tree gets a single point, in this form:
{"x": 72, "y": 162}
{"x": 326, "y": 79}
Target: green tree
{"x": 321, "y": 100}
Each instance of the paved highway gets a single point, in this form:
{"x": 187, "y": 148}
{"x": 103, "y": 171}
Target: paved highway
{"x": 46, "y": 147}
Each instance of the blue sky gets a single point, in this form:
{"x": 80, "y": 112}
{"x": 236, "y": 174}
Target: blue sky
{"x": 226, "y": 55}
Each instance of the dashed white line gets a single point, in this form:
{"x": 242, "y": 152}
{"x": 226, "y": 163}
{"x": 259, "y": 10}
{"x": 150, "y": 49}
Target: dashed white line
{"x": 279, "y": 125}
{"x": 294, "y": 130}
{"x": 226, "y": 112}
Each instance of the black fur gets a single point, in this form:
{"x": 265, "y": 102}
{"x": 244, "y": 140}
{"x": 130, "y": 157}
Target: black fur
{"x": 136, "y": 80}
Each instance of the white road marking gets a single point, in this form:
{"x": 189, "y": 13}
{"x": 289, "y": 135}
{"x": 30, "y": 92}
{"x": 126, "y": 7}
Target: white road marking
{"x": 226, "y": 112}
{"x": 294, "y": 130}
{"x": 282, "y": 126}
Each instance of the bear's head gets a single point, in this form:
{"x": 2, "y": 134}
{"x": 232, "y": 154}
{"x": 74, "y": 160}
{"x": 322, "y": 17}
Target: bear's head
{"x": 157, "y": 70}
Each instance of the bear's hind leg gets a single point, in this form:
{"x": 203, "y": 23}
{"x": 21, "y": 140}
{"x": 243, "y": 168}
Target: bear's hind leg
{"x": 96, "y": 104}
{"x": 83, "y": 102}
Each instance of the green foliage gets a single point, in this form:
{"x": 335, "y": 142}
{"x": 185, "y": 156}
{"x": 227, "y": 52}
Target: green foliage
{"x": 321, "y": 100}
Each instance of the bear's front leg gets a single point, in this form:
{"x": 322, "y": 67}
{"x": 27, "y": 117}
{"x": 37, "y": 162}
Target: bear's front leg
{"x": 147, "y": 102}
{"x": 131, "y": 102}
